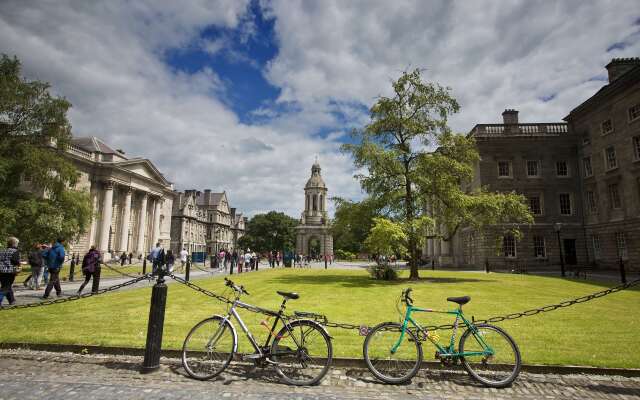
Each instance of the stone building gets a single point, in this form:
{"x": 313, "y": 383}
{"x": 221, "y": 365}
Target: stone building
{"x": 313, "y": 236}
{"x": 607, "y": 126}
{"x": 581, "y": 180}
{"x": 131, "y": 199}
{"x": 204, "y": 222}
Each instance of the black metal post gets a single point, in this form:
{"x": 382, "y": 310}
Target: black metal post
{"x": 486, "y": 265}
{"x": 144, "y": 266}
{"x": 623, "y": 274}
{"x": 156, "y": 324}
{"x": 561, "y": 256}
{"x": 433, "y": 264}
{"x": 188, "y": 270}
{"x": 72, "y": 268}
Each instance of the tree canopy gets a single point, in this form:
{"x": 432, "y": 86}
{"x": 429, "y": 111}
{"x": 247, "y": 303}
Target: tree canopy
{"x": 352, "y": 222}
{"x": 270, "y": 231}
{"x": 37, "y": 200}
{"x": 422, "y": 188}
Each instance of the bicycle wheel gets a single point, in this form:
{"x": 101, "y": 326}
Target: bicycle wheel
{"x": 303, "y": 353}
{"x": 498, "y": 362}
{"x": 208, "y": 348}
{"x": 397, "y": 367}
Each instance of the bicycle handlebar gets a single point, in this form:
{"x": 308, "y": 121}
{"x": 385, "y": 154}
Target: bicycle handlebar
{"x": 240, "y": 289}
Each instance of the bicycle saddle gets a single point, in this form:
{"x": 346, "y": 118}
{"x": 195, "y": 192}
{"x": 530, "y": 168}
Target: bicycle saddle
{"x": 460, "y": 300}
{"x": 289, "y": 295}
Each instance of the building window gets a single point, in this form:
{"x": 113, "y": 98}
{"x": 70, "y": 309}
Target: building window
{"x": 533, "y": 168}
{"x": 614, "y": 197}
{"x": 509, "y": 246}
{"x": 504, "y": 169}
{"x": 595, "y": 241}
{"x": 534, "y": 205}
{"x": 610, "y": 160}
{"x": 539, "y": 250}
{"x": 565, "y": 203}
{"x": 562, "y": 169}
{"x": 634, "y": 113}
{"x": 606, "y": 127}
{"x": 591, "y": 202}
{"x": 636, "y": 147}
{"x": 586, "y": 165}
{"x": 621, "y": 245}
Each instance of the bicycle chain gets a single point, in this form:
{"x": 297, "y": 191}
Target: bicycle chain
{"x": 526, "y": 313}
{"x": 78, "y": 296}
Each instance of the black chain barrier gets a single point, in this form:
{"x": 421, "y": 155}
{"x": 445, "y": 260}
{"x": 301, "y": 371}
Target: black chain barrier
{"x": 78, "y": 296}
{"x": 324, "y": 321}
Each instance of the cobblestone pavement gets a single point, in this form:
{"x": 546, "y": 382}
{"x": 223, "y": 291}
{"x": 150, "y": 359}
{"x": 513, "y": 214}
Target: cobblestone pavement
{"x": 39, "y": 375}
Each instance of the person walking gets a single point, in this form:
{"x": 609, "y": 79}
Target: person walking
{"x": 55, "y": 258}
{"x": 155, "y": 256}
{"x": 234, "y": 261}
{"x": 183, "y": 258}
{"x": 247, "y": 260}
{"x": 91, "y": 269}
{"x": 170, "y": 259}
{"x": 36, "y": 262}
{"x": 130, "y": 258}
{"x": 9, "y": 268}
{"x": 227, "y": 259}
{"x": 123, "y": 258}
{"x": 45, "y": 265}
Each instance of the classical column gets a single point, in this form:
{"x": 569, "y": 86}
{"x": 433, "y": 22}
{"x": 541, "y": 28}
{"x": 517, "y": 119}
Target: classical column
{"x": 142, "y": 223}
{"x": 126, "y": 216}
{"x": 156, "y": 221}
{"x": 93, "y": 231}
{"x": 107, "y": 210}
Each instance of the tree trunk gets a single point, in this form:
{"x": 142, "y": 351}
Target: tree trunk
{"x": 413, "y": 261}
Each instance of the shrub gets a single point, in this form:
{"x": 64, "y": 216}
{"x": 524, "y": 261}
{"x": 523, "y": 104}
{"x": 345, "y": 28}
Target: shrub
{"x": 382, "y": 272}
{"x": 345, "y": 255}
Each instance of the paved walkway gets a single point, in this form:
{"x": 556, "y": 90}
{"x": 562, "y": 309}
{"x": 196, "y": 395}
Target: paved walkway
{"x": 39, "y": 375}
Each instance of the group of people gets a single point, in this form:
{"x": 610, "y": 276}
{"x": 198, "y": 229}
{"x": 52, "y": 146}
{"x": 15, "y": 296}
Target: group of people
{"x": 236, "y": 261}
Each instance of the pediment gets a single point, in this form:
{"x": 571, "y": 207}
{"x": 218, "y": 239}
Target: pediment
{"x": 143, "y": 168}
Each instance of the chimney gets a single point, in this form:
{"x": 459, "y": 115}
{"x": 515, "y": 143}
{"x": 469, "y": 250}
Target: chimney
{"x": 510, "y": 117}
{"x": 620, "y": 66}
{"x": 233, "y": 213}
{"x": 207, "y": 196}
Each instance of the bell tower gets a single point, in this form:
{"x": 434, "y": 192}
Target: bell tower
{"x": 313, "y": 233}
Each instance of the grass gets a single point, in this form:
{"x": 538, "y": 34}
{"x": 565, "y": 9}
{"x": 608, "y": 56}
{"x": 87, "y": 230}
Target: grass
{"x": 602, "y": 332}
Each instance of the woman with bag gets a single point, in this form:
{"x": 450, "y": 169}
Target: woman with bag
{"x": 9, "y": 268}
{"x": 91, "y": 268}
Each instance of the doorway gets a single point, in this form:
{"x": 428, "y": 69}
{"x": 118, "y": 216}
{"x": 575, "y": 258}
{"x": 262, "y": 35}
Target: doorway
{"x": 570, "y": 257}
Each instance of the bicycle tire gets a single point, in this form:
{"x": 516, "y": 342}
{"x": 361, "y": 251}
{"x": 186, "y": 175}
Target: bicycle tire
{"x": 287, "y": 359}
{"x": 371, "y": 355}
{"x": 508, "y": 356}
{"x": 197, "y": 351}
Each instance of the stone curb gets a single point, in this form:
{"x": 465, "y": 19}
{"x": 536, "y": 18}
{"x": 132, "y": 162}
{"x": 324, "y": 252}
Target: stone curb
{"x": 338, "y": 362}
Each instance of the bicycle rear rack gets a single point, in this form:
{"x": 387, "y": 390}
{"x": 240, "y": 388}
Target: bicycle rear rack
{"x": 313, "y": 316}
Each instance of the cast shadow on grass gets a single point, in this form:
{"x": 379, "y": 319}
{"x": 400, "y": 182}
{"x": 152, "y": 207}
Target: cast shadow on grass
{"x": 364, "y": 281}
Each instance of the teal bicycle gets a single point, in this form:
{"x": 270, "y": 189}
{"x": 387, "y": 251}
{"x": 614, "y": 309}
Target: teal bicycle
{"x": 393, "y": 351}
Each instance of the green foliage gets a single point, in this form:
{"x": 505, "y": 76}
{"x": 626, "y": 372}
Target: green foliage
{"x": 33, "y": 131}
{"x": 270, "y": 231}
{"x": 427, "y": 192}
{"x": 386, "y": 238}
{"x": 345, "y": 255}
{"x": 383, "y": 272}
{"x": 401, "y": 130}
{"x": 352, "y": 222}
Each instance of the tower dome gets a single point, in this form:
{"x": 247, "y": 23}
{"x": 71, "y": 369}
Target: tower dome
{"x": 316, "y": 179}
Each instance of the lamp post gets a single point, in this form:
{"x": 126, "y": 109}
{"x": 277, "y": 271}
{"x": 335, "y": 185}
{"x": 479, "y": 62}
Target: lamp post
{"x": 558, "y": 226}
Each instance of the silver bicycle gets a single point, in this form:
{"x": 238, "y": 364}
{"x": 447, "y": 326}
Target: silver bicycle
{"x": 301, "y": 351}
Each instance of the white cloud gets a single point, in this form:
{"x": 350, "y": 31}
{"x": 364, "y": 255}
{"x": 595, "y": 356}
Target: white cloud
{"x": 333, "y": 58}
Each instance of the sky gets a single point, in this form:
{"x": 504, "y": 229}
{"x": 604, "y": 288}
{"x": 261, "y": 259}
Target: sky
{"x": 242, "y": 96}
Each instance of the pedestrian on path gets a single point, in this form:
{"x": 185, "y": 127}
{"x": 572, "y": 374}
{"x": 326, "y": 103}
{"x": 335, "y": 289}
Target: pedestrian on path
{"x": 91, "y": 269}
{"x": 37, "y": 263}
{"x": 45, "y": 265}
{"x": 170, "y": 259}
{"x": 9, "y": 268}
{"x": 123, "y": 258}
{"x": 247, "y": 260}
{"x": 156, "y": 257}
{"x": 55, "y": 258}
{"x": 130, "y": 258}
{"x": 183, "y": 258}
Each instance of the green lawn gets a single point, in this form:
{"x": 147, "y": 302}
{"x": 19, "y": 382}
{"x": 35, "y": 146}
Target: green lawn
{"x": 602, "y": 332}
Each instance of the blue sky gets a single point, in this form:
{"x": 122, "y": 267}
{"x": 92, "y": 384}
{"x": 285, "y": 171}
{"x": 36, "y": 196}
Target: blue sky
{"x": 243, "y": 95}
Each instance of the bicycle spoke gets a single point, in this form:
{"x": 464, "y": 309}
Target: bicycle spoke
{"x": 208, "y": 348}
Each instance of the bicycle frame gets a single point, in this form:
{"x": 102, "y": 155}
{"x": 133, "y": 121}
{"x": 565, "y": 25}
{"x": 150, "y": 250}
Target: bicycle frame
{"x": 443, "y": 351}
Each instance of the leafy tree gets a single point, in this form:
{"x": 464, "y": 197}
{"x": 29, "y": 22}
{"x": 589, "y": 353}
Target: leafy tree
{"x": 352, "y": 222}
{"x": 37, "y": 202}
{"x": 270, "y": 231}
{"x": 386, "y": 238}
{"x": 407, "y": 176}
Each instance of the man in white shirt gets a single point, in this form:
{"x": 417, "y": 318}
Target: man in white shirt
{"x": 183, "y": 258}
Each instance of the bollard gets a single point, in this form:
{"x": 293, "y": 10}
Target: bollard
{"x": 486, "y": 266}
{"x": 144, "y": 266}
{"x": 188, "y": 270}
{"x": 72, "y": 268}
{"x": 623, "y": 274}
{"x": 156, "y": 324}
{"x": 433, "y": 264}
